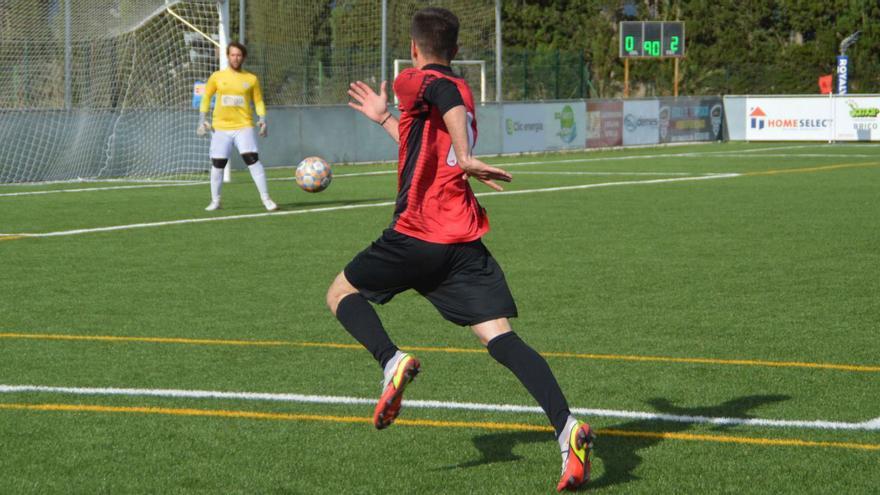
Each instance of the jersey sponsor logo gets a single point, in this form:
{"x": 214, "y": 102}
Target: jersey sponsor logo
{"x": 232, "y": 100}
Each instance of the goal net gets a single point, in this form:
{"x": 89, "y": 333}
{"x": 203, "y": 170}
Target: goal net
{"x": 308, "y": 51}
{"x": 99, "y": 89}
{"x": 104, "y": 89}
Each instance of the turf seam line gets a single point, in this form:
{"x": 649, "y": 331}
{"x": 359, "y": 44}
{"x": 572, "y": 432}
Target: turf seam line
{"x": 449, "y": 350}
{"x": 254, "y": 415}
{"x": 435, "y": 404}
{"x": 821, "y": 168}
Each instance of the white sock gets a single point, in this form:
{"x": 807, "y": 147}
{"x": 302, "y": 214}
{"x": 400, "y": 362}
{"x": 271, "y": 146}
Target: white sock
{"x": 565, "y": 435}
{"x": 216, "y": 183}
{"x": 390, "y": 366}
{"x": 259, "y": 176}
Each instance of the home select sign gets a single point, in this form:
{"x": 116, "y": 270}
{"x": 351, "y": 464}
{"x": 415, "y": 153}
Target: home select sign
{"x": 783, "y": 119}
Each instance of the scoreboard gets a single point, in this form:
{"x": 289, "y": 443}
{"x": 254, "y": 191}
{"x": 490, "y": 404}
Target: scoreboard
{"x": 651, "y": 39}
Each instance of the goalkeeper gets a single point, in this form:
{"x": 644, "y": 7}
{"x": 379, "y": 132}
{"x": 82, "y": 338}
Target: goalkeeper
{"x": 233, "y": 123}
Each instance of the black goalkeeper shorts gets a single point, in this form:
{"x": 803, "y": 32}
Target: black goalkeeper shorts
{"x": 463, "y": 281}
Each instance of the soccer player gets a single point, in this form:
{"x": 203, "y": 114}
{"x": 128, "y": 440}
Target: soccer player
{"x": 233, "y": 123}
{"x": 433, "y": 244}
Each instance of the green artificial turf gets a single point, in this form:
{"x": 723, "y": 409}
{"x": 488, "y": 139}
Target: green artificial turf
{"x": 780, "y": 267}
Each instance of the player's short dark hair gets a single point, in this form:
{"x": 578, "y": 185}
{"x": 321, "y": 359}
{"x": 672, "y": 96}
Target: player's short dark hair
{"x": 435, "y": 31}
{"x": 237, "y": 45}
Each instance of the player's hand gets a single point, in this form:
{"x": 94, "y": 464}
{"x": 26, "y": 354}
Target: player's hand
{"x": 366, "y": 101}
{"x": 264, "y": 128}
{"x": 203, "y": 128}
{"x": 484, "y": 173}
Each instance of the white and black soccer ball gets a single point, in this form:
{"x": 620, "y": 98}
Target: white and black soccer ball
{"x": 313, "y": 174}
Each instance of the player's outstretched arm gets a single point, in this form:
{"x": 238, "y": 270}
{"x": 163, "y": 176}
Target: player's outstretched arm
{"x": 456, "y": 123}
{"x": 374, "y": 106}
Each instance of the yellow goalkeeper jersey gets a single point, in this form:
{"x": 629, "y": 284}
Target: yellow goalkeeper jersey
{"x": 235, "y": 90}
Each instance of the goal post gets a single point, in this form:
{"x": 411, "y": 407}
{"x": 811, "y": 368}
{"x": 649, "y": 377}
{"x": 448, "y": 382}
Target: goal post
{"x": 223, "y": 34}
{"x": 481, "y": 64}
{"x": 222, "y": 42}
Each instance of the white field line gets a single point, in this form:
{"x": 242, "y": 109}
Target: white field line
{"x": 697, "y": 154}
{"x": 800, "y": 146}
{"x": 505, "y": 165}
{"x": 700, "y": 154}
{"x": 106, "y": 188}
{"x": 872, "y": 425}
{"x": 532, "y": 172}
{"x": 611, "y": 184}
{"x": 352, "y": 207}
{"x": 338, "y": 176}
{"x": 553, "y": 172}
{"x": 181, "y": 184}
{"x": 80, "y": 180}
{"x": 196, "y": 220}
{"x": 810, "y": 155}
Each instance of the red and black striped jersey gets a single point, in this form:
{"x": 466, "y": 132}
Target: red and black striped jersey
{"x": 435, "y": 203}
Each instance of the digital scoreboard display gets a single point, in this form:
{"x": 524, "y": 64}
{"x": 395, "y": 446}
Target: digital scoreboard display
{"x": 651, "y": 39}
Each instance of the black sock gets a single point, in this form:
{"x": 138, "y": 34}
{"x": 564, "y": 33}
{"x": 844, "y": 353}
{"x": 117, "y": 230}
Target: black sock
{"x": 360, "y": 320}
{"x": 534, "y": 373}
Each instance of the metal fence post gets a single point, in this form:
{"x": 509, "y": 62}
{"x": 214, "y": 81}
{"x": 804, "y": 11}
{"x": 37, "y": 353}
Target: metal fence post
{"x": 581, "y": 73}
{"x": 556, "y": 89}
{"x": 498, "y": 60}
{"x": 241, "y": 20}
{"x": 68, "y": 57}
{"x": 384, "y": 72}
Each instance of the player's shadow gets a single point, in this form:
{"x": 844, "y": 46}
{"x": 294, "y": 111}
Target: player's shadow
{"x": 619, "y": 454}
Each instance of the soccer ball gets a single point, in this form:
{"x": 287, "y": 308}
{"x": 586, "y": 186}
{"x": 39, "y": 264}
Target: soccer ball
{"x": 313, "y": 174}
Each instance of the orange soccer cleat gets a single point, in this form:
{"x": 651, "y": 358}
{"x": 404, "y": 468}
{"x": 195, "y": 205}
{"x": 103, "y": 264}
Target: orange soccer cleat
{"x": 576, "y": 460}
{"x": 403, "y": 372}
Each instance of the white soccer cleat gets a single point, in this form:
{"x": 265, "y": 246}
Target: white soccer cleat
{"x": 215, "y": 205}
{"x": 270, "y": 205}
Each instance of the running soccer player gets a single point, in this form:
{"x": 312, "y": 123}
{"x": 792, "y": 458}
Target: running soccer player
{"x": 433, "y": 244}
{"x": 233, "y": 123}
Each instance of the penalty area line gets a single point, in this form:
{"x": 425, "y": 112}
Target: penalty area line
{"x": 104, "y": 188}
{"x": 114, "y": 228}
{"x": 870, "y": 425}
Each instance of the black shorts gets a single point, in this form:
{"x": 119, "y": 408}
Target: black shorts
{"x": 463, "y": 281}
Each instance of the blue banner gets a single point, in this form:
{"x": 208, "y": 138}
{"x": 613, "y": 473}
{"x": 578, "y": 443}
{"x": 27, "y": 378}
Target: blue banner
{"x": 198, "y": 92}
{"x": 842, "y": 73}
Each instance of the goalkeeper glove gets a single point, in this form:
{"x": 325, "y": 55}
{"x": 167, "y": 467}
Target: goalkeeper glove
{"x": 264, "y": 131}
{"x": 204, "y": 127}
